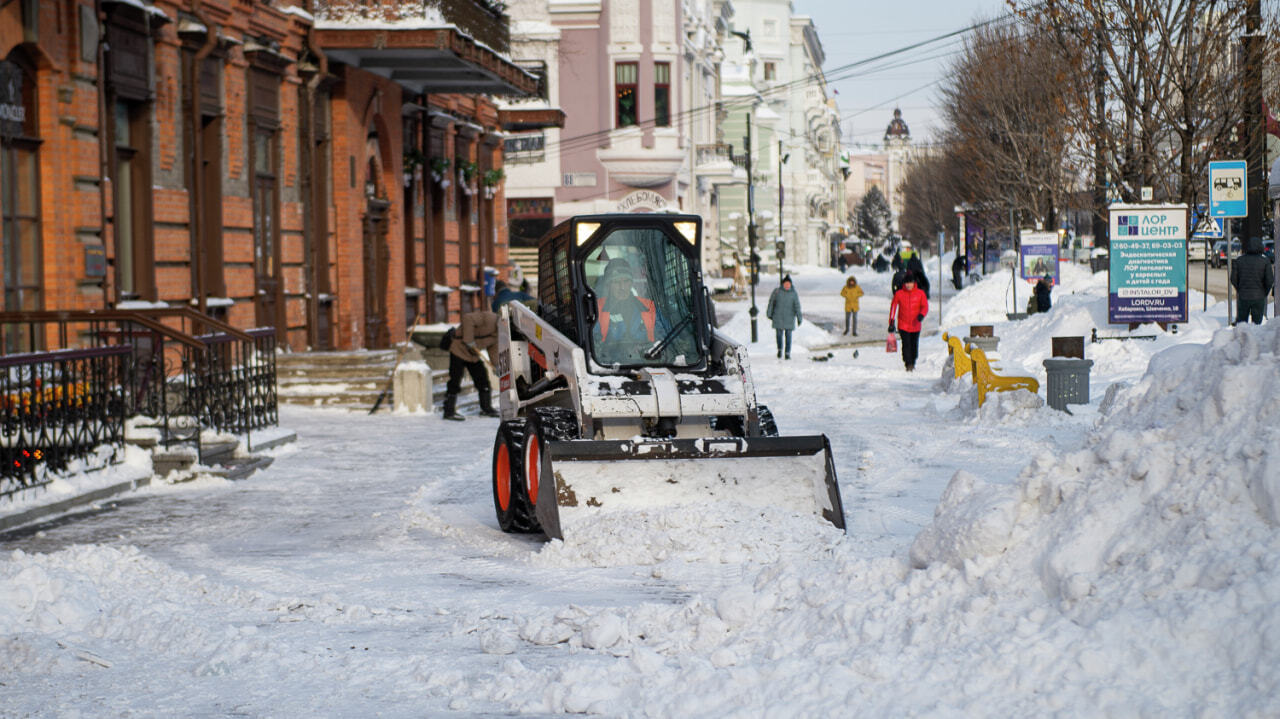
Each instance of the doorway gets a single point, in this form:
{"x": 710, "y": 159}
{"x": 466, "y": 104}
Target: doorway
{"x": 377, "y": 257}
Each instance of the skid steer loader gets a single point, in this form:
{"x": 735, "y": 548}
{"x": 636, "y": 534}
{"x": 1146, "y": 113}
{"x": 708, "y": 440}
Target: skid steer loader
{"x": 618, "y": 394}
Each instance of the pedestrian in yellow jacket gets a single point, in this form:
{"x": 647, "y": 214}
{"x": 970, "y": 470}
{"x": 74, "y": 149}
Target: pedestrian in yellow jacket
{"x": 851, "y": 292}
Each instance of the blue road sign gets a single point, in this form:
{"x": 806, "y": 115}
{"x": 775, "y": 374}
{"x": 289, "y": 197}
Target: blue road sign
{"x": 1205, "y": 228}
{"x": 1227, "y": 189}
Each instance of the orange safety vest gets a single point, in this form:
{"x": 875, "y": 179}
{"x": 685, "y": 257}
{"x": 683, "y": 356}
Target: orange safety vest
{"x": 649, "y": 316}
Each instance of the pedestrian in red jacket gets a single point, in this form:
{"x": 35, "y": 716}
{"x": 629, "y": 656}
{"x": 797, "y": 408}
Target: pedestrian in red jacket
{"x": 909, "y": 306}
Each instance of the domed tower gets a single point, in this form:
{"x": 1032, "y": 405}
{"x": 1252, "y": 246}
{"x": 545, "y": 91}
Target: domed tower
{"x": 897, "y": 134}
{"x": 897, "y": 142}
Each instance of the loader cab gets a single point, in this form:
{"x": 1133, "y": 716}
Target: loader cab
{"x": 628, "y": 289}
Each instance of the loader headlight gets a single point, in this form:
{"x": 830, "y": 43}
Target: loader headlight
{"x": 688, "y": 229}
{"x": 585, "y": 230}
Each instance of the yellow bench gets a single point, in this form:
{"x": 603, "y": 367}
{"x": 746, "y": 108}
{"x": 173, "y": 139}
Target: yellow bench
{"x": 960, "y": 361}
{"x": 987, "y": 380}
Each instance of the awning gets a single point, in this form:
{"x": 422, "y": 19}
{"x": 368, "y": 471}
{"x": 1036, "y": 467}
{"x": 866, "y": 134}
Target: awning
{"x": 428, "y": 60}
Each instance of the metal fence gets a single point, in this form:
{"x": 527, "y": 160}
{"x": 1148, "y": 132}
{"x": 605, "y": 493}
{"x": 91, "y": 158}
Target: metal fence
{"x": 59, "y": 407}
{"x": 236, "y": 387}
{"x": 177, "y": 381}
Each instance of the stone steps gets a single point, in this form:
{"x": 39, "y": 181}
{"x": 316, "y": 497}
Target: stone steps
{"x": 348, "y": 380}
{"x": 355, "y": 380}
{"x": 219, "y": 458}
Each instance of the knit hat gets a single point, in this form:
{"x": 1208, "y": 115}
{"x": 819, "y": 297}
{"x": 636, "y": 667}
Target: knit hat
{"x": 617, "y": 267}
{"x": 786, "y": 279}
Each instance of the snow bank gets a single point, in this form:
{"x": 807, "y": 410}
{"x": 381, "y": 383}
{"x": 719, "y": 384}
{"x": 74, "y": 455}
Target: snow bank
{"x": 1138, "y": 575}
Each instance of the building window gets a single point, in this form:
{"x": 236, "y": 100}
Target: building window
{"x": 770, "y": 71}
{"x": 20, "y": 199}
{"x": 132, "y": 194}
{"x": 770, "y": 29}
{"x": 626, "y": 75}
{"x": 662, "y": 94}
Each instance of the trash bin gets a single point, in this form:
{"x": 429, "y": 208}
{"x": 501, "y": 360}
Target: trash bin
{"x": 490, "y": 281}
{"x": 1068, "y": 382}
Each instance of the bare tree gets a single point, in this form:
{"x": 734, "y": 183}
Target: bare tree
{"x": 1163, "y": 93}
{"x": 1009, "y": 127}
{"x": 931, "y": 191}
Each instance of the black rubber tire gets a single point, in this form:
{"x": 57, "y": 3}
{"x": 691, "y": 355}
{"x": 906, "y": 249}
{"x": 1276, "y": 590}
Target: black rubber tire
{"x": 768, "y": 427}
{"x": 508, "y": 448}
{"x": 546, "y": 424}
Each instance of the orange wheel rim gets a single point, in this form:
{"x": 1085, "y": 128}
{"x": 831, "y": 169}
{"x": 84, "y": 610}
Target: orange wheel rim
{"x": 502, "y": 477}
{"x": 532, "y": 464}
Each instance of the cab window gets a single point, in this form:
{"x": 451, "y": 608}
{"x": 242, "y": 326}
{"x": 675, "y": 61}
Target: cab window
{"x": 644, "y": 301}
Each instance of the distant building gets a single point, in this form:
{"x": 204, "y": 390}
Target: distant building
{"x": 884, "y": 167}
{"x": 638, "y": 84}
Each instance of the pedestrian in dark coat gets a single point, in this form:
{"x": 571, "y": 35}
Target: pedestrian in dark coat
{"x": 909, "y": 307}
{"x": 958, "y": 266}
{"x": 1043, "y": 289}
{"x": 784, "y": 310}
{"x": 478, "y": 331}
{"x": 1253, "y": 278}
{"x": 916, "y": 265}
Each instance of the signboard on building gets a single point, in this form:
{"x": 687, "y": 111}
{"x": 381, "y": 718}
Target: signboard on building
{"x": 13, "y": 113}
{"x": 1148, "y": 270}
{"x": 579, "y": 179}
{"x": 1227, "y": 189}
{"x": 1038, "y": 256}
{"x": 642, "y": 201}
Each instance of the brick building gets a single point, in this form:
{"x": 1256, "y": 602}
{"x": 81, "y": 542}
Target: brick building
{"x": 332, "y": 169}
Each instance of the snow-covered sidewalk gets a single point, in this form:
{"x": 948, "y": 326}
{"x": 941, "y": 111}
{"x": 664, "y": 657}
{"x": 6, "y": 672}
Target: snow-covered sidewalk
{"x": 1008, "y": 560}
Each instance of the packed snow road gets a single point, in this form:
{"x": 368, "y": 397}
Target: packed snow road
{"x": 364, "y": 574}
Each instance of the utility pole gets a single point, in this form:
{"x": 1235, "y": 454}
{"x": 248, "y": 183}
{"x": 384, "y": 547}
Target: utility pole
{"x": 753, "y": 258}
{"x": 1013, "y": 239}
{"x": 1255, "y": 130}
{"x": 779, "y": 248}
{"x": 1100, "y": 226}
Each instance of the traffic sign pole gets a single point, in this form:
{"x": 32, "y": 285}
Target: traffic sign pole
{"x": 1228, "y": 197}
{"x": 1230, "y": 320}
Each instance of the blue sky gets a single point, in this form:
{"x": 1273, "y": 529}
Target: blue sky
{"x": 856, "y": 30}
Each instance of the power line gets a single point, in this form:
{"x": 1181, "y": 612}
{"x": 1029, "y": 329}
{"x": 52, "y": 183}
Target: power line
{"x": 586, "y": 140}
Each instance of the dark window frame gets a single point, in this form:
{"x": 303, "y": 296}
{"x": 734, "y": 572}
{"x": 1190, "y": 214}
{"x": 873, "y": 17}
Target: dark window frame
{"x": 19, "y": 294}
{"x": 626, "y": 92}
{"x": 662, "y": 94}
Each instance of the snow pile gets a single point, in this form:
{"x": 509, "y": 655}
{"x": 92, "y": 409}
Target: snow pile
{"x": 346, "y": 15}
{"x": 1139, "y": 574}
{"x": 1180, "y": 456}
{"x": 83, "y": 475}
{"x": 713, "y": 532}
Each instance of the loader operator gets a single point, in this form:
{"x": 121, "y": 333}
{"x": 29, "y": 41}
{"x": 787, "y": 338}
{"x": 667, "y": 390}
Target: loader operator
{"x": 627, "y": 324}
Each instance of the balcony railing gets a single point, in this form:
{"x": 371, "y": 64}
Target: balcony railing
{"x": 483, "y": 20}
{"x": 717, "y": 152}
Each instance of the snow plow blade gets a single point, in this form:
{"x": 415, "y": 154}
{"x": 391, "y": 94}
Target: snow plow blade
{"x": 598, "y": 476}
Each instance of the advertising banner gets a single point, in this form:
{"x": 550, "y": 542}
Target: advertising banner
{"x": 1148, "y": 271}
{"x": 1038, "y": 256}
